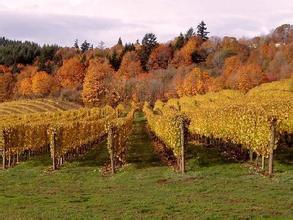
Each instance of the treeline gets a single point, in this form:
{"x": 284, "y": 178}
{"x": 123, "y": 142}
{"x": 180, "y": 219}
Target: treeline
{"x": 13, "y": 53}
{"x": 192, "y": 63}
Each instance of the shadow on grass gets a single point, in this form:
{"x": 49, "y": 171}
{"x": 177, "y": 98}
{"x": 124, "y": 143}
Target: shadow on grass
{"x": 37, "y": 161}
{"x": 202, "y": 156}
{"x": 284, "y": 155}
{"x": 96, "y": 157}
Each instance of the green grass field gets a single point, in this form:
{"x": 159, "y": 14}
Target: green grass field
{"x": 145, "y": 188}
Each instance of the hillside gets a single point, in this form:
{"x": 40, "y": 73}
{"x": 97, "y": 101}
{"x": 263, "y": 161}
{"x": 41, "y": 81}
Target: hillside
{"x": 145, "y": 188}
{"x": 34, "y": 106}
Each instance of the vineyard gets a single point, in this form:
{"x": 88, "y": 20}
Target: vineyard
{"x": 66, "y": 148}
{"x": 255, "y": 121}
{"x": 34, "y": 106}
{"x": 66, "y": 134}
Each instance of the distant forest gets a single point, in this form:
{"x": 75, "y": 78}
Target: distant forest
{"x": 145, "y": 70}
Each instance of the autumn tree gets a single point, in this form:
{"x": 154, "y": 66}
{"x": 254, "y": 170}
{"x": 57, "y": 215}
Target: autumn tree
{"x": 26, "y": 72}
{"x": 184, "y": 56}
{"x": 195, "y": 82}
{"x": 25, "y": 87}
{"x": 130, "y": 65}
{"x": 160, "y": 57}
{"x": 6, "y": 85}
{"x": 42, "y": 84}
{"x": 229, "y": 78}
{"x": 71, "y": 74}
{"x": 96, "y": 82}
{"x": 4, "y": 69}
{"x": 249, "y": 76}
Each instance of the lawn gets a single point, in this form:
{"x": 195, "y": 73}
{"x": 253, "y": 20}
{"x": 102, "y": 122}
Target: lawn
{"x": 145, "y": 188}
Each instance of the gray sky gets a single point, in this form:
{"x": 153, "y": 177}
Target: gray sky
{"x": 62, "y": 21}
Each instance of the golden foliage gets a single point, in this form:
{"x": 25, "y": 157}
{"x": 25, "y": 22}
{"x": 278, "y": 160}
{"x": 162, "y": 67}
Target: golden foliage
{"x": 130, "y": 65}
{"x": 184, "y": 56}
{"x": 42, "y": 83}
{"x": 95, "y": 85}
{"x": 195, "y": 82}
{"x": 6, "y": 85}
{"x": 71, "y": 74}
{"x": 160, "y": 57}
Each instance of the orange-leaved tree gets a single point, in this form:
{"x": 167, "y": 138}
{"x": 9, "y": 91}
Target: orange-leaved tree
{"x": 160, "y": 57}
{"x": 25, "y": 87}
{"x": 6, "y": 85}
{"x": 184, "y": 55}
{"x": 249, "y": 76}
{"x": 195, "y": 82}
{"x": 130, "y": 65}
{"x": 96, "y": 82}
{"x": 42, "y": 84}
{"x": 229, "y": 78}
{"x": 71, "y": 73}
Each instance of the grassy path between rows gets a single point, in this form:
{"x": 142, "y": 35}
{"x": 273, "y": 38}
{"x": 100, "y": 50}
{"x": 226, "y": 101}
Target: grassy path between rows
{"x": 144, "y": 188}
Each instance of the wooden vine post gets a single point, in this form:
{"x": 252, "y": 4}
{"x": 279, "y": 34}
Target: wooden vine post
{"x": 2, "y": 148}
{"x": 272, "y": 145}
{"x": 263, "y": 162}
{"x": 250, "y": 155}
{"x": 3, "y": 158}
{"x": 17, "y": 156}
{"x": 53, "y": 150}
{"x": 111, "y": 148}
{"x": 182, "y": 141}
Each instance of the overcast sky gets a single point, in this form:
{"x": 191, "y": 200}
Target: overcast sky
{"x": 62, "y": 21}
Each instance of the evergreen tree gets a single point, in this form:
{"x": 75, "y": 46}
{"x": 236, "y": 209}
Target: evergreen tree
{"x": 149, "y": 42}
{"x": 85, "y": 46}
{"x": 48, "y": 58}
{"x": 120, "y": 41}
{"x": 179, "y": 42}
{"x": 12, "y": 52}
{"x": 190, "y": 33}
{"x": 76, "y": 44}
{"x": 114, "y": 60}
{"x": 128, "y": 47}
{"x": 202, "y": 31}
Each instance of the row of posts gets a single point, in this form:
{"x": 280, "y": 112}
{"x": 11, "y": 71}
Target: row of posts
{"x": 182, "y": 143}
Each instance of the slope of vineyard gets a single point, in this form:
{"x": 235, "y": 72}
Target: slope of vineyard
{"x": 144, "y": 188}
{"x": 233, "y": 117}
{"x": 65, "y": 131}
{"x": 166, "y": 127}
{"x": 33, "y": 106}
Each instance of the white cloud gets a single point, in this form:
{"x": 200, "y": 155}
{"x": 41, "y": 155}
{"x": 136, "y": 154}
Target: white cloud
{"x": 62, "y": 21}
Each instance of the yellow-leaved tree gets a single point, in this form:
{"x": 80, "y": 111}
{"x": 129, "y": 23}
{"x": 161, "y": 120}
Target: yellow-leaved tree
{"x": 42, "y": 84}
